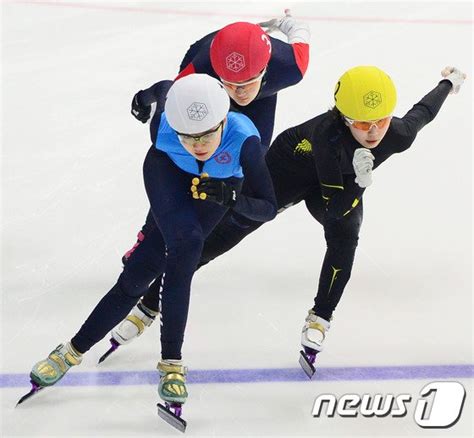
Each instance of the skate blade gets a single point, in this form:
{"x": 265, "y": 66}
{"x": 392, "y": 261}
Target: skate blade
{"x": 307, "y": 366}
{"x": 171, "y": 418}
{"x": 30, "y": 394}
{"x": 106, "y": 354}
{"x": 115, "y": 346}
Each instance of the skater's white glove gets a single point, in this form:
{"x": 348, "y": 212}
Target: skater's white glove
{"x": 295, "y": 31}
{"x": 363, "y": 162}
{"x": 275, "y": 23}
{"x": 455, "y": 76}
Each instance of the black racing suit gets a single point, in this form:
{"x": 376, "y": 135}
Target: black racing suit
{"x": 312, "y": 162}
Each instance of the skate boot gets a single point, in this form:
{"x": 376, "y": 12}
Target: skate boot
{"x": 51, "y": 370}
{"x": 172, "y": 390}
{"x": 312, "y": 338}
{"x": 130, "y": 328}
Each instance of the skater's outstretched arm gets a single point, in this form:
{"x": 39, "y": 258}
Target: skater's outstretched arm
{"x": 404, "y": 130}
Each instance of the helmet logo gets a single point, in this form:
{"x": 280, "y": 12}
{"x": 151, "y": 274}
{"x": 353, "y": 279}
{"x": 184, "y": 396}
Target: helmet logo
{"x": 372, "y": 99}
{"x": 235, "y": 62}
{"x": 197, "y": 111}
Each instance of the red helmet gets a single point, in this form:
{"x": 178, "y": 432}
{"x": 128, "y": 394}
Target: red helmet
{"x": 240, "y": 51}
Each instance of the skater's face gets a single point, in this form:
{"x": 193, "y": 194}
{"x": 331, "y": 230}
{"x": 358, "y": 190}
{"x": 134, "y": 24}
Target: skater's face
{"x": 369, "y": 134}
{"x": 201, "y": 146}
{"x": 242, "y": 93}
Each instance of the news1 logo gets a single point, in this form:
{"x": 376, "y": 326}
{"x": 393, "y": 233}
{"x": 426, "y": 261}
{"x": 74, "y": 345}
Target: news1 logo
{"x": 439, "y": 406}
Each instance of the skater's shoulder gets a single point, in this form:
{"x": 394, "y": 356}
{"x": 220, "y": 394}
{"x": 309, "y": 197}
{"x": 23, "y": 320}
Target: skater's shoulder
{"x": 240, "y": 126}
{"x": 326, "y": 129}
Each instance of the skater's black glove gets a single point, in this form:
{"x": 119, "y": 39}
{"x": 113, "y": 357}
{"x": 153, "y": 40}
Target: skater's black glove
{"x": 139, "y": 111}
{"x": 214, "y": 190}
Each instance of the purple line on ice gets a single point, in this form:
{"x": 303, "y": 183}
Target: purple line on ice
{"x": 110, "y": 378}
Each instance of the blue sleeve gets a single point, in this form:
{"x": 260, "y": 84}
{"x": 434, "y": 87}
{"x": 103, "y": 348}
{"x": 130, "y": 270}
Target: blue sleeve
{"x": 261, "y": 206}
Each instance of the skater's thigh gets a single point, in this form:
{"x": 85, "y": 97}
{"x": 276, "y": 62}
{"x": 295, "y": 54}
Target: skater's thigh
{"x": 347, "y": 228}
{"x": 227, "y": 234}
{"x": 148, "y": 259}
{"x": 315, "y": 204}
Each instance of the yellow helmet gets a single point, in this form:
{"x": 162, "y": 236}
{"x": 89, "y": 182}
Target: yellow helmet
{"x": 365, "y": 93}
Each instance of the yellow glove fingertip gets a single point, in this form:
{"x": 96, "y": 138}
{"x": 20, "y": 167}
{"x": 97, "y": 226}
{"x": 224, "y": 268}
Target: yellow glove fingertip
{"x": 193, "y": 189}
{"x": 202, "y": 196}
{"x": 195, "y": 195}
{"x": 204, "y": 175}
{"x": 195, "y": 181}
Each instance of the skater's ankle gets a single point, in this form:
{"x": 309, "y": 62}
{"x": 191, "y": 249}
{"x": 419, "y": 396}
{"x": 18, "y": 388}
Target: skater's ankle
{"x": 147, "y": 310}
{"x": 321, "y": 313}
{"x": 75, "y": 350}
{"x": 171, "y": 366}
{"x": 314, "y": 331}
{"x": 171, "y": 361}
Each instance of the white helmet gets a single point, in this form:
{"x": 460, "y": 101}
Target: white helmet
{"x": 196, "y": 103}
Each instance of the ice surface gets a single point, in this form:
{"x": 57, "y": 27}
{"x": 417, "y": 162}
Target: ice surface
{"x": 73, "y": 201}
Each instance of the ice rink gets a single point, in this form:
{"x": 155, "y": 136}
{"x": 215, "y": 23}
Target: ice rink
{"x": 73, "y": 200}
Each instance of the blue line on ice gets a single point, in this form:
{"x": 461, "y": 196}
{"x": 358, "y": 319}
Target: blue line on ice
{"x": 107, "y": 378}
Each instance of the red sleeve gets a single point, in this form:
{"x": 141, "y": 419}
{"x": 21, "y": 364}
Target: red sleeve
{"x": 301, "y": 52}
{"x": 188, "y": 70}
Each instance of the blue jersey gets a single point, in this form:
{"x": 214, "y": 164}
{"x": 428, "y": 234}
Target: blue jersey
{"x": 225, "y": 162}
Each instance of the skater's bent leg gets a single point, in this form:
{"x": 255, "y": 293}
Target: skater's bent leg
{"x": 145, "y": 265}
{"x": 184, "y": 223}
{"x": 227, "y": 234}
{"x": 316, "y": 205}
{"x": 147, "y": 228}
{"x": 342, "y": 238}
{"x": 181, "y": 261}
{"x": 151, "y": 299}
